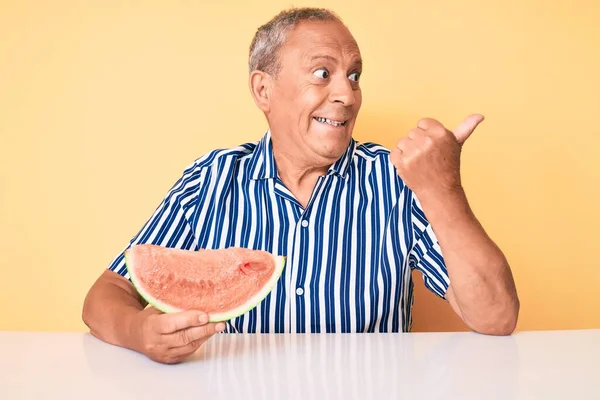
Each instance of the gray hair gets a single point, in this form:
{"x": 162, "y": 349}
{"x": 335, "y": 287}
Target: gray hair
{"x": 270, "y": 37}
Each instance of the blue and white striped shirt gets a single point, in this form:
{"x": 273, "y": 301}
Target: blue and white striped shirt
{"x": 350, "y": 252}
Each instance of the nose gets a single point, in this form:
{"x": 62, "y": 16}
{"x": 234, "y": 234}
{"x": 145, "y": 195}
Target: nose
{"x": 342, "y": 92}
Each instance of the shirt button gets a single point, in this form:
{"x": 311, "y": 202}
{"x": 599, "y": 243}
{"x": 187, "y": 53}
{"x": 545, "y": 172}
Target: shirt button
{"x": 299, "y": 291}
{"x": 305, "y": 223}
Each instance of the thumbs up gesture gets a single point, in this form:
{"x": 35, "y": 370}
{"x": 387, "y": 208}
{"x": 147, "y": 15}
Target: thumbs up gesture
{"x": 428, "y": 158}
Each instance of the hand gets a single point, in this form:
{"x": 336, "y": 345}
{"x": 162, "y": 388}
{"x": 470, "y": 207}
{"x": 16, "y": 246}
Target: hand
{"x": 428, "y": 158}
{"x": 170, "y": 338}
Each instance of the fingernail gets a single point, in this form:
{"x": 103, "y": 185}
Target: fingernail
{"x": 220, "y": 327}
{"x": 203, "y": 318}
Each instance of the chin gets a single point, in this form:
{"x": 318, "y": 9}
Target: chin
{"x": 332, "y": 149}
{"x": 330, "y": 142}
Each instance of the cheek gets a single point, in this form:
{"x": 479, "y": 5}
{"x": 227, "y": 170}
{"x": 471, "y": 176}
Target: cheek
{"x": 311, "y": 99}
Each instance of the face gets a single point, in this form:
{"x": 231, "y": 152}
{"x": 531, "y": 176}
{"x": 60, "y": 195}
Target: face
{"x": 315, "y": 98}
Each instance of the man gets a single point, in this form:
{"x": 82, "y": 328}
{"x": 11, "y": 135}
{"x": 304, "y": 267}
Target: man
{"x": 353, "y": 219}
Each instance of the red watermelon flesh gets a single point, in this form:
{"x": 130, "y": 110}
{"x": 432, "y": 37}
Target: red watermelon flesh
{"x": 224, "y": 283}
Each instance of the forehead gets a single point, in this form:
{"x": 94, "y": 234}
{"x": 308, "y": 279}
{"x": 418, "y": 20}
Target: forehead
{"x": 312, "y": 37}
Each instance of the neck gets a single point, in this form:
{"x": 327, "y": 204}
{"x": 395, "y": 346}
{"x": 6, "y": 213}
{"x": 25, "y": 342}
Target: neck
{"x": 298, "y": 175}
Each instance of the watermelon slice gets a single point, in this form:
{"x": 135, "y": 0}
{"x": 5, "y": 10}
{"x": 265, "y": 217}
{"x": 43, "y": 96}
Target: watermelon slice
{"x": 224, "y": 283}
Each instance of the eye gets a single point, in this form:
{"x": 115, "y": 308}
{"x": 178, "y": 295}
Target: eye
{"x": 321, "y": 73}
{"x": 354, "y": 76}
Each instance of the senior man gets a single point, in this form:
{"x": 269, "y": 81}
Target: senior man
{"x": 354, "y": 219}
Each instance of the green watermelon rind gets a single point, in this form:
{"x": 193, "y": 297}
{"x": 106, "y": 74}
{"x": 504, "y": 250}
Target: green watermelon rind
{"x": 251, "y": 303}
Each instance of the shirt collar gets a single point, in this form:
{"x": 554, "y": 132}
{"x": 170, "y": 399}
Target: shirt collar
{"x": 263, "y": 165}
{"x": 262, "y": 162}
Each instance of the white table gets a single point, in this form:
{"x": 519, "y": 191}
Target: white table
{"x": 527, "y": 365}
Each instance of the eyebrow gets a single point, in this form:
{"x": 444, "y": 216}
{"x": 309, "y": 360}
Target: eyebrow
{"x": 333, "y": 59}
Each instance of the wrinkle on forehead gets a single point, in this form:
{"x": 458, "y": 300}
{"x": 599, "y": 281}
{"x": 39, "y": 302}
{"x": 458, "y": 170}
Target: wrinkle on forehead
{"x": 348, "y": 53}
{"x": 314, "y": 41}
{"x": 326, "y": 39}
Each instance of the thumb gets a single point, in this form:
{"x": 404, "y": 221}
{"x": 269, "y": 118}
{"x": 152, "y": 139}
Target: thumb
{"x": 152, "y": 310}
{"x": 464, "y": 130}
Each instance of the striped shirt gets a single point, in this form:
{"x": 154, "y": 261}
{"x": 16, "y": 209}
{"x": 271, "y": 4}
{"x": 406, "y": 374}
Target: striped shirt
{"x": 350, "y": 252}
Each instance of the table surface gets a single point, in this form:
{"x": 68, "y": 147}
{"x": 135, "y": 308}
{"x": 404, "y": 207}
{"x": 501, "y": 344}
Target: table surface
{"x": 526, "y": 365}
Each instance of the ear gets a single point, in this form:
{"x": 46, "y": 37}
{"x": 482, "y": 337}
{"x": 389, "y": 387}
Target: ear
{"x": 260, "y": 87}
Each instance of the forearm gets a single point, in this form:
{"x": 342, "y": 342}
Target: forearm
{"x": 110, "y": 308}
{"x": 481, "y": 282}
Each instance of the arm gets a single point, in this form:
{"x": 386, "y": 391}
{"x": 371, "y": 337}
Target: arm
{"x": 114, "y": 311}
{"x": 109, "y": 307}
{"x": 482, "y": 290}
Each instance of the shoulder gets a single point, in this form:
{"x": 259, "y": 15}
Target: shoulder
{"x": 370, "y": 151}
{"x": 221, "y": 157}
{"x": 374, "y": 155}
{"x": 386, "y": 175}
{"x": 215, "y": 165}
{"x": 374, "y": 160}
{"x": 223, "y": 162}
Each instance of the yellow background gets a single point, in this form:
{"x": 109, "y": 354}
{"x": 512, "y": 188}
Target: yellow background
{"x": 103, "y": 104}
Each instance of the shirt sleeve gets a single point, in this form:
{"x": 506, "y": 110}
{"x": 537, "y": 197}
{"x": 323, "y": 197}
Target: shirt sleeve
{"x": 169, "y": 225}
{"x": 426, "y": 254}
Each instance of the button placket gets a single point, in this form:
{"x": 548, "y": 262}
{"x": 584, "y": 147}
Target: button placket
{"x": 302, "y": 233}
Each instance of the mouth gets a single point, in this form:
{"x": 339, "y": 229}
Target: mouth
{"x": 331, "y": 122}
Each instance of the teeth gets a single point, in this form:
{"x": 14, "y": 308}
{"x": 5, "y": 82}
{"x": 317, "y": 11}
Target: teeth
{"x": 329, "y": 121}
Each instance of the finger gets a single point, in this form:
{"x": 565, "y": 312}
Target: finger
{"x": 153, "y": 310}
{"x": 186, "y": 336}
{"x": 182, "y": 352}
{"x": 187, "y": 350}
{"x": 408, "y": 147}
{"x": 430, "y": 124}
{"x": 175, "y": 322}
{"x": 396, "y": 156}
{"x": 178, "y": 359}
{"x": 416, "y": 133}
{"x": 421, "y": 141}
{"x": 466, "y": 128}
{"x": 171, "y": 359}
{"x": 402, "y": 144}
